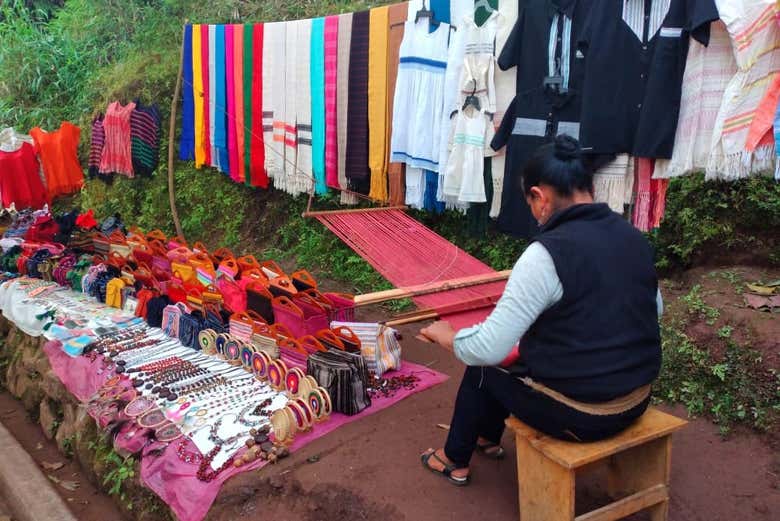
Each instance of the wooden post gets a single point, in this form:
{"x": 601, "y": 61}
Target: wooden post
{"x": 171, "y": 134}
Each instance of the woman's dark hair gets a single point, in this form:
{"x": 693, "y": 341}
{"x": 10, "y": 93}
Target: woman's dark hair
{"x": 560, "y": 165}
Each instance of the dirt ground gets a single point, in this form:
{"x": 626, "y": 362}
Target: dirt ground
{"x": 86, "y": 502}
{"x": 371, "y": 470}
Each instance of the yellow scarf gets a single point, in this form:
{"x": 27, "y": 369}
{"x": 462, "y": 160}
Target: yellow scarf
{"x": 197, "y": 91}
{"x": 377, "y": 101}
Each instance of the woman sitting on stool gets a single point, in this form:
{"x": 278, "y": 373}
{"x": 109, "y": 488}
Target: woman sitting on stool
{"x": 582, "y": 301}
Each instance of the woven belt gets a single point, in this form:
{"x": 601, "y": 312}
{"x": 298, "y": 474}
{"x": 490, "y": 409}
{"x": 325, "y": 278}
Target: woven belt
{"x": 612, "y": 407}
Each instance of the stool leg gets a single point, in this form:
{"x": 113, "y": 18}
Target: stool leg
{"x": 546, "y": 489}
{"x": 639, "y": 468}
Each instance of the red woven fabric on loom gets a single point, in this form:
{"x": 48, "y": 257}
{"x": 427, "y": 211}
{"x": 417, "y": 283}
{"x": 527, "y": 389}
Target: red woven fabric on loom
{"x": 407, "y": 253}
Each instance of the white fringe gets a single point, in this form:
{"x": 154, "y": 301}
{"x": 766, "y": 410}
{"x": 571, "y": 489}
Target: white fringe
{"x": 610, "y": 189}
{"x": 742, "y": 164}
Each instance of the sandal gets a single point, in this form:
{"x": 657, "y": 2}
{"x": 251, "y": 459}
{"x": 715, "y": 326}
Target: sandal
{"x": 491, "y": 450}
{"x": 446, "y": 471}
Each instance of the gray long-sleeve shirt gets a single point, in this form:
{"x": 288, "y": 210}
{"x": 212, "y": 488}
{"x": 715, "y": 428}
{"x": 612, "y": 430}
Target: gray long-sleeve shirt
{"x": 532, "y": 288}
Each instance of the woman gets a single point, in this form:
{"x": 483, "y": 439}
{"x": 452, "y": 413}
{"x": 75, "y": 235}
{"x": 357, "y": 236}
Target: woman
{"x": 582, "y": 301}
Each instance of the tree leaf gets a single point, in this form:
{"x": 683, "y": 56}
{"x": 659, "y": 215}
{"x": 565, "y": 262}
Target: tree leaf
{"x": 52, "y": 466}
{"x": 761, "y": 290}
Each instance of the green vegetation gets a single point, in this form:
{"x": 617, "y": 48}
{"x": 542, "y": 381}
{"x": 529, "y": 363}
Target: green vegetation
{"x": 116, "y": 470}
{"x": 712, "y": 221}
{"x": 738, "y": 389}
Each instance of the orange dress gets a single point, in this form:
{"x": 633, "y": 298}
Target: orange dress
{"x": 58, "y": 154}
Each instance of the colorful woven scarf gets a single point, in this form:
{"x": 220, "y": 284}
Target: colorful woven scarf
{"x": 212, "y": 99}
{"x": 187, "y": 138}
{"x": 197, "y": 90}
{"x": 230, "y": 82}
{"x": 285, "y": 182}
{"x": 259, "y": 175}
{"x": 395, "y": 171}
{"x": 303, "y": 174}
{"x": 377, "y": 101}
{"x": 331, "y": 46}
{"x": 220, "y": 122}
{"x": 342, "y": 102}
{"x": 317, "y": 72}
{"x": 273, "y": 101}
{"x": 238, "y": 100}
{"x": 357, "y": 119}
{"x": 204, "y": 63}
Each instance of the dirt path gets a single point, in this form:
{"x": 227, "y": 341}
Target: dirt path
{"x": 86, "y": 502}
{"x": 370, "y": 470}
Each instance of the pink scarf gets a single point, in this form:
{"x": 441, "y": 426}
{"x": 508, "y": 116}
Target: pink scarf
{"x": 331, "y": 108}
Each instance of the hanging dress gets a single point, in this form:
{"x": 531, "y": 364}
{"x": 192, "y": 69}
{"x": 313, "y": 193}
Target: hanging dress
{"x": 418, "y": 104}
{"x": 464, "y": 181}
{"x": 117, "y": 154}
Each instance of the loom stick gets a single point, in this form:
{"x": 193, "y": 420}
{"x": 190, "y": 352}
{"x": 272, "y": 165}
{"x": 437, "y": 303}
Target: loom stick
{"x": 449, "y": 309}
{"x": 353, "y": 210}
{"x": 171, "y": 134}
{"x": 425, "y": 289}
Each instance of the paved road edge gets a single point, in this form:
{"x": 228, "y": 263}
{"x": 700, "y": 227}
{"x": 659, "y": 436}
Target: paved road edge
{"x": 29, "y": 494}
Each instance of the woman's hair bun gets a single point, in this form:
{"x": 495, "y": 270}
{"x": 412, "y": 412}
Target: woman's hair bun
{"x": 566, "y": 148}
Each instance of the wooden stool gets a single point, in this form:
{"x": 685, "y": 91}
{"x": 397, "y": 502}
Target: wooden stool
{"x": 638, "y": 461}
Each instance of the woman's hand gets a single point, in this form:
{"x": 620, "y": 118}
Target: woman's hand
{"x": 440, "y": 332}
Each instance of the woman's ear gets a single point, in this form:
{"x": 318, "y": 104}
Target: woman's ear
{"x": 536, "y": 193}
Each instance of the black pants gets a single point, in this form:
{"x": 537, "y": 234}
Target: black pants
{"x": 488, "y": 395}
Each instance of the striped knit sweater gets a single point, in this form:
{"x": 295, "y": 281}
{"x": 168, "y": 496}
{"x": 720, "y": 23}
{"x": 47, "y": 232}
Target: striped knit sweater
{"x": 145, "y": 138}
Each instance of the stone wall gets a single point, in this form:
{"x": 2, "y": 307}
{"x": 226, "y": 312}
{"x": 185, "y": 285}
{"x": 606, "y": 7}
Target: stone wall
{"x": 25, "y": 372}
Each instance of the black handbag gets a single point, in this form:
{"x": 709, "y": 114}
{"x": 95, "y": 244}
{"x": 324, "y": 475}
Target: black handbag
{"x": 345, "y": 377}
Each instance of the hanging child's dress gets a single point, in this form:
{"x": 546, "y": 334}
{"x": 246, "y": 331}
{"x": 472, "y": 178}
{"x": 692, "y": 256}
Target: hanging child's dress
{"x": 418, "y": 105}
{"x": 472, "y": 133}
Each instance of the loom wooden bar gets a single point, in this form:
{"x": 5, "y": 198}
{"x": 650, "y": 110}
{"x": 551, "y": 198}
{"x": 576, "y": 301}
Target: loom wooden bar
{"x": 424, "y": 289}
{"x": 411, "y": 319}
{"x": 171, "y": 134}
{"x": 353, "y": 210}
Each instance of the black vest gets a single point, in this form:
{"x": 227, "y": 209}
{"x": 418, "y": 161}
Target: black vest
{"x": 602, "y": 339}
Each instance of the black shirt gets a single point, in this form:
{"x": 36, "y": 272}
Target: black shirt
{"x": 635, "y": 52}
{"x": 533, "y": 118}
{"x": 528, "y": 46}
{"x": 542, "y": 44}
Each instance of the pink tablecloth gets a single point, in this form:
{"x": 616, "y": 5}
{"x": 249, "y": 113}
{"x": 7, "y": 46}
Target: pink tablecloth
{"x": 174, "y": 480}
